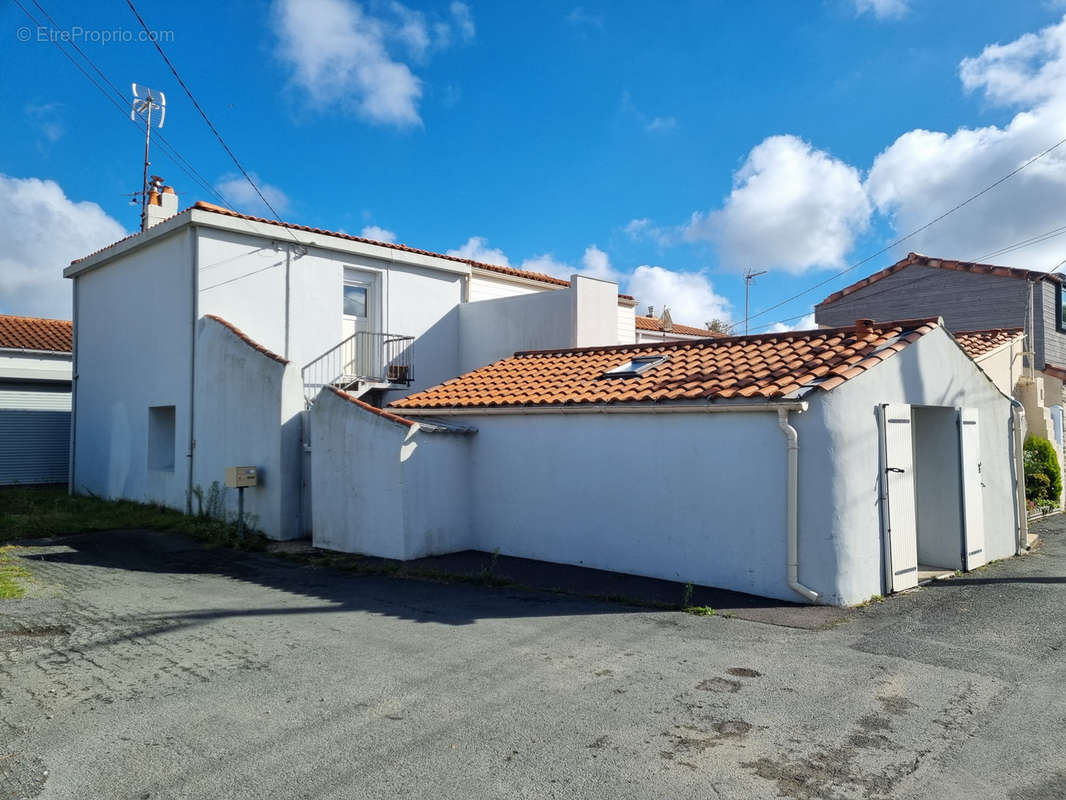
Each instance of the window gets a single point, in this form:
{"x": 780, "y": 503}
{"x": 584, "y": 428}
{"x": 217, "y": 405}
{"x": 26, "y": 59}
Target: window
{"x": 161, "y": 431}
{"x": 354, "y": 301}
{"x": 1060, "y": 312}
{"x": 634, "y": 367}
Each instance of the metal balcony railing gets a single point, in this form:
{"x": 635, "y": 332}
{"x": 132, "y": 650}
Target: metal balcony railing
{"x": 364, "y": 357}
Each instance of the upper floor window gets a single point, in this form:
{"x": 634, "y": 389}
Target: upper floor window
{"x": 354, "y": 301}
{"x": 1060, "y": 311}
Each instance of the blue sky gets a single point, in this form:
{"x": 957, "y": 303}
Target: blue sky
{"x": 665, "y": 146}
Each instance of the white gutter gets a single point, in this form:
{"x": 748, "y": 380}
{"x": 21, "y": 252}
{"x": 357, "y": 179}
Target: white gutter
{"x": 1022, "y": 533}
{"x": 618, "y": 408}
{"x": 793, "y": 506}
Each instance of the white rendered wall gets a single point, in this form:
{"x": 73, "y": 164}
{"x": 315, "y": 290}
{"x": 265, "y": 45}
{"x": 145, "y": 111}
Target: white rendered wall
{"x": 627, "y": 324}
{"x": 595, "y": 311}
{"x": 134, "y": 340}
{"x": 840, "y": 470}
{"x": 248, "y": 409}
{"x": 583, "y": 315}
{"x": 1004, "y": 366}
{"x": 486, "y": 288}
{"x": 706, "y": 503}
{"x": 383, "y": 488}
{"x": 242, "y": 280}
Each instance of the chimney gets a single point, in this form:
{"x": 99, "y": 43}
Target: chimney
{"x": 864, "y": 328}
{"x": 162, "y": 203}
{"x": 651, "y": 311}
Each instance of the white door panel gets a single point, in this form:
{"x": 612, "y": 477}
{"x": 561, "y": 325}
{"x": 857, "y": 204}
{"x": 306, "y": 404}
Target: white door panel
{"x": 898, "y": 503}
{"x": 973, "y": 516}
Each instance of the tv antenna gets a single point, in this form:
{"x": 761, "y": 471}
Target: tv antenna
{"x": 749, "y": 276}
{"x": 145, "y": 101}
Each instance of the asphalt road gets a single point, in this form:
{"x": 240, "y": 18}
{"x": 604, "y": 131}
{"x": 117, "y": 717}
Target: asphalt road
{"x": 142, "y": 666}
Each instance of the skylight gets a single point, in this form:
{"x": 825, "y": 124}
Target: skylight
{"x": 634, "y": 367}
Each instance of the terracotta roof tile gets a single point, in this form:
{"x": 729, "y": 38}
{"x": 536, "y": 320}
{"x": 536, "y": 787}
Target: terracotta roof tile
{"x": 372, "y": 409}
{"x": 767, "y": 366}
{"x": 942, "y": 263}
{"x": 979, "y": 343}
{"x": 34, "y": 333}
{"x": 203, "y": 206}
{"x": 248, "y": 340}
{"x": 655, "y": 324}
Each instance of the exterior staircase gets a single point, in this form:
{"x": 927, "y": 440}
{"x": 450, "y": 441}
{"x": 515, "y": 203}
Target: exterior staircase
{"x": 360, "y": 363}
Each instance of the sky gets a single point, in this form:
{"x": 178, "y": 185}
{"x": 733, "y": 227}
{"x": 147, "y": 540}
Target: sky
{"x": 668, "y": 146}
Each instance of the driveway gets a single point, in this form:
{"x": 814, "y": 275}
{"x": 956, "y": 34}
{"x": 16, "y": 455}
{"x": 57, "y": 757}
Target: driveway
{"x": 141, "y": 665}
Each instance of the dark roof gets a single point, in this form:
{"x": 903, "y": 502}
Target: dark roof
{"x": 917, "y": 259}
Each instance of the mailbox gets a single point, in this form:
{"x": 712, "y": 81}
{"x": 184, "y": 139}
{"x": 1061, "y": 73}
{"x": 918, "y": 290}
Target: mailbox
{"x": 240, "y": 477}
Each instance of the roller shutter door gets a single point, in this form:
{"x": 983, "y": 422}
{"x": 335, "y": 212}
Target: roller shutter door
{"x": 34, "y": 433}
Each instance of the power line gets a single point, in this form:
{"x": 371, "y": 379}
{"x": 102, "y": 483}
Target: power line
{"x": 913, "y": 233}
{"x": 203, "y": 114}
{"x": 1037, "y": 239}
{"x": 168, "y": 148}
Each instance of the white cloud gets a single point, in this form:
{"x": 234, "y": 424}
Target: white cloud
{"x": 596, "y": 264}
{"x": 882, "y": 9}
{"x": 689, "y": 295}
{"x": 237, "y": 190}
{"x": 477, "y": 248}
{"x": 924, "y": 173}
{"x": 579, "y": 17}
{"x": 341, "y": 55}
{"x": 464, "y": 20}
{"x": 661, "y": 124}
{"x": 807, "y": 323}
{"x": 378, "y": 234}
{"x": 43, "y": 231}
{"x": 791, "y": 207}
{"x": 645, "y": 229}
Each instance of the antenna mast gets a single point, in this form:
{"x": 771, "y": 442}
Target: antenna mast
{"x": 144, "y": 102}
{"x": 749, "y": 276}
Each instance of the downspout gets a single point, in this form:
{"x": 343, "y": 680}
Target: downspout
{"x": 1018, "y": 417}
{"x": 194, "y": 315}
{"x": 793, "y": 506}
{"x": 288, "y": 296}
{"x": 73, "y": 389}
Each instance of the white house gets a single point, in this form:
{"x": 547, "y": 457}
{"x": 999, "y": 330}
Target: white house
{"x": 377, "y": 318}
{"x": 35, "y": 375}
{"x": 826, "y": 466}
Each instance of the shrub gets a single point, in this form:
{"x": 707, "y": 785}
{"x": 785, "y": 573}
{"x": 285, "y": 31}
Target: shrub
{"x": 1043, "y": 481}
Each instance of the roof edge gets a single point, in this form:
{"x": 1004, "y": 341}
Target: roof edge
{"x": 248, "y": 340}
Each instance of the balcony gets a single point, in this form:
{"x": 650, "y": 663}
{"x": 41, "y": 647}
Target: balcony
{"x": 365, "y": 360}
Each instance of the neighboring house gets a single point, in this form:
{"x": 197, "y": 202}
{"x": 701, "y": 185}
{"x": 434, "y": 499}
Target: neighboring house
{"x": 35, "y": 373}
{"x": 158, "y": 411}
{"x": 782, "y": 465}
{"x": 663, "y": 329}
{"x": 974, "y": 297}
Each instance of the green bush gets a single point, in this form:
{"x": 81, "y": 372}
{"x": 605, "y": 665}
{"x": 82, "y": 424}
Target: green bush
{"x": 1043, "y": 481}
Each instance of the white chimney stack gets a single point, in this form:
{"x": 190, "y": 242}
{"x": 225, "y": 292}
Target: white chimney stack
{"x": 162, "y": 203}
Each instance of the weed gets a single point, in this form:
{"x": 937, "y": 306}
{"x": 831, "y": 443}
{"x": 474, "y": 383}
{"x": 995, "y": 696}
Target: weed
{"x": 686, "y": 595}
{"x": 700, "y": 611}
{"x": 11, "y": 574}
{"x": 871, "y": 600}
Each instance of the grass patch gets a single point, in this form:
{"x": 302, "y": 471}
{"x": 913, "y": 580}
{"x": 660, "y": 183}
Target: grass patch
{"x": 11, "y": 574}
{"x": 40, "y": 511}
{"x": 700, "y": 611}
{"x": 872, "y": 600}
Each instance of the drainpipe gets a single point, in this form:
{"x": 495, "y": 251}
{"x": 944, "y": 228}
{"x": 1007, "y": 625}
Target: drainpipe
{"x": 194, "y": 314}
{"x": 793, "y": 507}
{"x": 1018, "y": 418}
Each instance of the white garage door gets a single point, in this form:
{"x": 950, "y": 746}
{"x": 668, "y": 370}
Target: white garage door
{"x": 34, "y": 433}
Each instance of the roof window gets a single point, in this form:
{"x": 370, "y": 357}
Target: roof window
{"x": 635, "y": 366}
